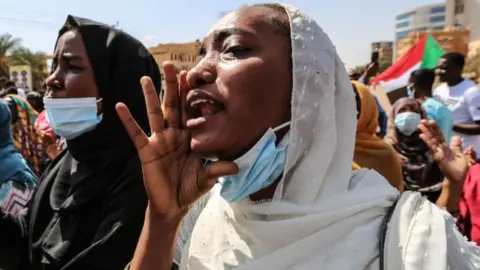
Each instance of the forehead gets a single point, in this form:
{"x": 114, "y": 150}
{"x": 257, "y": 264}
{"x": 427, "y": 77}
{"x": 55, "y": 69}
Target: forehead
{"x": 254, "y": 19}
{"x": 71, "y": 41}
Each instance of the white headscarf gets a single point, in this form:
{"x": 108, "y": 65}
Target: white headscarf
{"x": 319, "y": 213}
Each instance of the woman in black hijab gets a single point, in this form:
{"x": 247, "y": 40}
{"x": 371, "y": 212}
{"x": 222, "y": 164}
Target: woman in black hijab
{"x": 89, "y": 209}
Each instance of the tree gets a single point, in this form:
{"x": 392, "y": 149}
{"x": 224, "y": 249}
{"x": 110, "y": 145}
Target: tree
{"x": 37, "y": 62}
{"x": 385, "y": 64}
{"x": 472, "y": 64}
{"x": 7, "y": 44}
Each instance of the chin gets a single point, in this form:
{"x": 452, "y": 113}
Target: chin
{"x": 205, "y": 146}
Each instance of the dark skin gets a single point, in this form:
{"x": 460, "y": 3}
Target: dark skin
{"x": 244, "y": 59}
{"x": 452, "y": 75}
{"x": 420, "y": 94}
{"x": 72, "y": 76}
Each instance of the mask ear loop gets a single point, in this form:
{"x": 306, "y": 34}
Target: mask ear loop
{"x": 281, "y": 126}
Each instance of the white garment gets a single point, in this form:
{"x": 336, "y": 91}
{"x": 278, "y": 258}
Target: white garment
{"x": 321, "y": 216}
{"x": 463, "y": 100}
{"x": 21, "y": 93}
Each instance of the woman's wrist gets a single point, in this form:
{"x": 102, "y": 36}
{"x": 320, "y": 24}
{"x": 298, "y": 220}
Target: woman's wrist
{"x": 173, "y": 219}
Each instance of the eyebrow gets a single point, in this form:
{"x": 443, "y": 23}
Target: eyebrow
{"x": 220, "y": 35}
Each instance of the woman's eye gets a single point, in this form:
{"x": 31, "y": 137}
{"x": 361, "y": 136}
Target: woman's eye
{"x": 235, "y": 50}
{"x": 74, "y": 67}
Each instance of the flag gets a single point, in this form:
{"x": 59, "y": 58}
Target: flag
{"x": 424, "y": 54}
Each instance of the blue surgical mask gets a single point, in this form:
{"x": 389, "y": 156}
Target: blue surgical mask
{"x": 410, "y": 92}
{"x": 407, "y": 122}
{"x": 72, "y": 117}
{"x": 258, "y": 168}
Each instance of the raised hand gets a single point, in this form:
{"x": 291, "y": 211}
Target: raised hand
{"x": 451, "y": 160}
{"x": 471, "y": 156}
{"x": 174, "y": 176}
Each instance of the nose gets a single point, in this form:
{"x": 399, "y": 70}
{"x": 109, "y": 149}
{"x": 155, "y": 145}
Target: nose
{"x": 53, "y": 83}
{"x": 203, "y": 73}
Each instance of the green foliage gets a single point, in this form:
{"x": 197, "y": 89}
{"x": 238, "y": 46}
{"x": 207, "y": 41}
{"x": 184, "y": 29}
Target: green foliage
{"x": 13, "y": 53}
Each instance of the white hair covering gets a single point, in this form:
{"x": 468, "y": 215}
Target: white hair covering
{"x": 320, "y": 217}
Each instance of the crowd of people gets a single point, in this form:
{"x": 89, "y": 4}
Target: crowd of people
{"x": 267, "y": 154}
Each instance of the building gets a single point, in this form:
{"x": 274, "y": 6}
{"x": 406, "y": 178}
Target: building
{"x": 385, "y": 49}
{"x": 183, "y": 55}
{"x": 450, "y": 39}
{"x": 421, "y": 19}
{"x": 464, "y": 14}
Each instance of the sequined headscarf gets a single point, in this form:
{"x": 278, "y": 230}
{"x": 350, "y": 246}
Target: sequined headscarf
{"x": 320, "y": 215}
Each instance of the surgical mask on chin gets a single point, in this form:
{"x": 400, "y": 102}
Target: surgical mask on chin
{"x": 258, "y": 168}
{"x": 410, "y": 92}
{"x": 407, "y": 122}
{"x": 71, "y": 117}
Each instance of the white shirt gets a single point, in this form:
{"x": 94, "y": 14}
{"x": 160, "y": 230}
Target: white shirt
{"x": 21, "y": 92}
{"x": 463, "y": 100}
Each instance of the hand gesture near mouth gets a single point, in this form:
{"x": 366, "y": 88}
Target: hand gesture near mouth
{"x": 173, "y": 176}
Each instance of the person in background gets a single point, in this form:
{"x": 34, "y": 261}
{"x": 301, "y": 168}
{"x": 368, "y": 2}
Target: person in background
{"x": 17, "y": 181}
{"x": 469, "y": 203}
{"x": 353, "y": 74}
{"x": 420, "y": 172}
{"x": 420, "y": 87}
{"x": 370, "y": 151}
{"x": 27, "y": 138}
{"x": 3, "y": 80}
{"x": 371, "y": 70}
{"x": 36, "y": 101}
{"x": 90, "y": 204}
{"x": 461, "y": 96}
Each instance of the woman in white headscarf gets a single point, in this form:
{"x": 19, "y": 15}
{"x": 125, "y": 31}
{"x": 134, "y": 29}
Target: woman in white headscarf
{"x": 271, "y": 94}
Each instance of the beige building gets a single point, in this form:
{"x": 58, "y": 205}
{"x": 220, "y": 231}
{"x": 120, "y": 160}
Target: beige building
{"x": 183, "y": 55}
{"x": 464, "y": 14}
{"x": 451, "y": 40}
{"x": 385, "y": 49}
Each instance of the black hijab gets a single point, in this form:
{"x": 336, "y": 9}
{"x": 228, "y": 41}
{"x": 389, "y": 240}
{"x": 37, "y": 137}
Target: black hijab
{"x": 118, "y": 61}
{"x": 101, "y": 167}
{"x": 420, "y": 171}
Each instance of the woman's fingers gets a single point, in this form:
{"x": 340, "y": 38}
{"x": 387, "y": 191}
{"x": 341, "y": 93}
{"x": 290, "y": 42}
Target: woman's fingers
{"x": 456, "y": 143}
{"x": 138, "y": 137}
{"x": 214, "y": 171}
{"x": 183, "y": 91}
{"x": 154, "y": 110}
{"x": 171, "y": 100}
{"x": 436, "y": 131}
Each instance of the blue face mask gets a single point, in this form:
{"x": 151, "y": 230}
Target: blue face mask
{"x": 72, "y": 117}
{"x": 258, "y": 168}
{"x": 410, "y": 92}
{"x": 407, "y": 122}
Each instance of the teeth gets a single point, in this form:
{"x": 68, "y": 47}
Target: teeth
{"x": 200, "y": 101}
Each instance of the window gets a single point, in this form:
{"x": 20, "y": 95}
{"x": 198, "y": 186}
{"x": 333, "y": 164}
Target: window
{"x": 459, "y": 7}
{"x": 403, "y": 16}
{"x": 403, "y": 34}
{"x": 435, "y": 19}
{"x": 403, "y": 24}
{"x": 440, "y": 9}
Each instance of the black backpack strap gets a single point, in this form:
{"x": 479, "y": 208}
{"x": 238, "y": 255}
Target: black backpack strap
{"x": 383, "y": 233}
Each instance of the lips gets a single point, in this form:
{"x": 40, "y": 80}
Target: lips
{"x": 200, "y": 106}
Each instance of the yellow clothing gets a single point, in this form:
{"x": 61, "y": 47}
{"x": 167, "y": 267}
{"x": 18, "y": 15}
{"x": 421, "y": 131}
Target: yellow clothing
{"x": 370, "y": 151}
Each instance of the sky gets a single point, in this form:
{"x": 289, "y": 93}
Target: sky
{"x": 351, "y": 24}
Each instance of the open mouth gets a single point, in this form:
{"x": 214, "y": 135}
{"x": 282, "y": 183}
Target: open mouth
{"x": 201, "y": 104}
